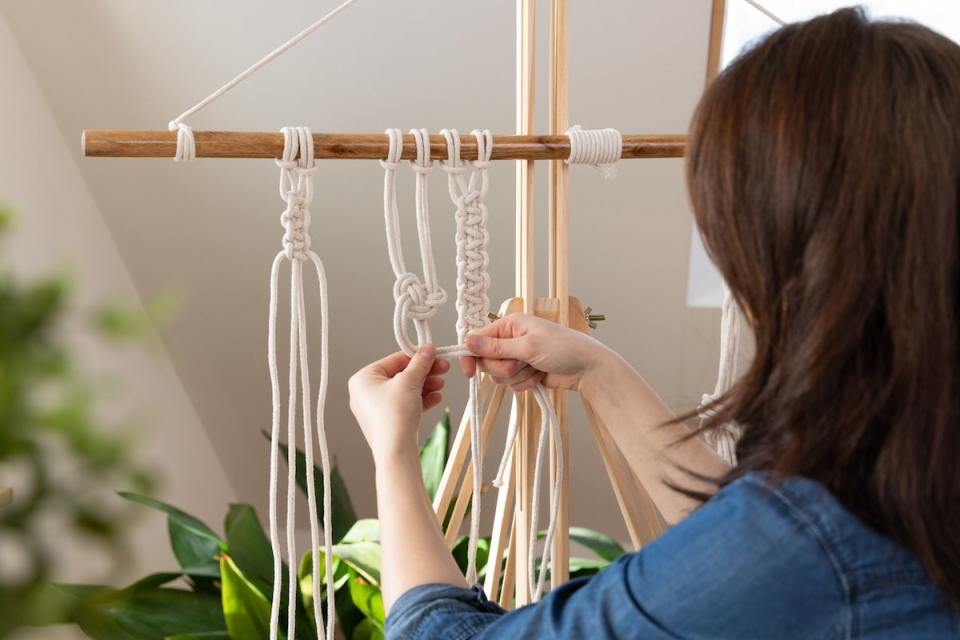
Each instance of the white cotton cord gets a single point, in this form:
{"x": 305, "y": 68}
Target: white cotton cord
{"x": 504, "y": 468}
{"x": 549, "y": 427}
{"x": 473, "y": 281}
{"x": 724, "y": 439}
{"x": 601, "y": 148}
{"x": 186, "y": 145}
{"x": 297, "y": 167}
{"x": 770, "y": 14}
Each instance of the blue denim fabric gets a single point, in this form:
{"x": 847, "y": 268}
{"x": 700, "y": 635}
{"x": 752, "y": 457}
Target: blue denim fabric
{"x": 755, "y": 561}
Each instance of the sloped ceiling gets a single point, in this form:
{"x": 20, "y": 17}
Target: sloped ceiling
{"x": 209, "y": 230}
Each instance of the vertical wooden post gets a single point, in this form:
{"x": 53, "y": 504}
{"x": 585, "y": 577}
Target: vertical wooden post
{"x": 715, "y": 47}
{"x": 528, "y": 428}
{"x": 560, "y": 271}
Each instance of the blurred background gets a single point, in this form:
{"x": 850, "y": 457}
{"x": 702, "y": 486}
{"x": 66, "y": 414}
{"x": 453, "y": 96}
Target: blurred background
{"x": 135, "y": 291}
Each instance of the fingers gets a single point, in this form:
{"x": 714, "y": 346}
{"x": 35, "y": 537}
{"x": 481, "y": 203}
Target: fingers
{"x": 525, "y": 379}
{"x": 502, "y": 368}
{"x": 420, "y": 365}
{"x": 389, "y": 366}
{"x": 469, "y": 366}
{"x": 433, "y": 383}
{"x": 498, "y": 348}
{"x": 431, "y": 400}
{"x": 439, "y": 367}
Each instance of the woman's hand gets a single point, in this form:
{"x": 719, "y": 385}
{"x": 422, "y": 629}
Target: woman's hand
{"x": 522, "y": 351}
{"x": 389, "y": 397}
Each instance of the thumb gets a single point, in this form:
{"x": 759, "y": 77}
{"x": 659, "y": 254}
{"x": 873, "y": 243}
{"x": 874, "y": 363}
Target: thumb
{"x": 420, "y": 364}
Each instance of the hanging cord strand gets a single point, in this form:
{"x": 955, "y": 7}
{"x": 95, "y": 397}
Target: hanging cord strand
{"x": 473, "y": 281}
{"x": 549, "y": 427}
{"x": 724, "y": 438}
{"x": 186, "y": 144}
{"x": 296, "y": 189}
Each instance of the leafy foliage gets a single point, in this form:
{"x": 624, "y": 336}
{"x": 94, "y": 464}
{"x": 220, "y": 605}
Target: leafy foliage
{"x": 56, "y": 451}
{"x": 231, "y": 576}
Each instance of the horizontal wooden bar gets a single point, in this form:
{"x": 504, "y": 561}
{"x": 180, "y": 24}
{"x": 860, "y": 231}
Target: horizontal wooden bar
{"x": 106, "y": 143}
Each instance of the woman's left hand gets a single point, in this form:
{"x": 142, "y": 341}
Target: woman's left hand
{"x": 389, "y": 397}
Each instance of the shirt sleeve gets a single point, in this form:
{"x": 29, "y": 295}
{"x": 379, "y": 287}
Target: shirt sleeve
{"x": 747, "y": 564}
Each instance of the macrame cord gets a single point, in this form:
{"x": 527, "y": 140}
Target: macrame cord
{"x": 724, "y": 439}
{"x": 186, "y": 142}
{"x": 296, "y": 189}
{"x": 601, "y": 148}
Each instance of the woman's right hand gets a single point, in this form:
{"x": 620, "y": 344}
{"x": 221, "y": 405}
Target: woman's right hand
{"x": 522, "y": 350}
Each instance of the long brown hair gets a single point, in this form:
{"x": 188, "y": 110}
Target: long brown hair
{"x": 824, "y": 172}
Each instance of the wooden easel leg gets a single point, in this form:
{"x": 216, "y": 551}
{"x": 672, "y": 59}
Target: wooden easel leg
{"x": 466, "y": 487}
{"x": 527, "y": 428}
{"x": 458, "y": 457}
{"x": 559, "y": 275}
{"x": 643, "y": 521}
{"x": 502, "y": 525}
{"x": 510, "y": 570}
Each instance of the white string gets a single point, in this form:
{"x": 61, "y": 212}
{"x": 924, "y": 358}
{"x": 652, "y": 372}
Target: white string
{"x": 186, "y": 145}
{"x": 724, "y": 438}
{"x": 418, "y": 301}
{"x": 770, "y": 14}
{"x": 296, "y": 189}
{"x": 601, "y": 148}
{"x": 473, "y": 281}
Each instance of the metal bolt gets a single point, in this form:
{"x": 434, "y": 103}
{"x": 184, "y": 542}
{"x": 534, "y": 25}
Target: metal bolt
{"x": 593, "y": 318}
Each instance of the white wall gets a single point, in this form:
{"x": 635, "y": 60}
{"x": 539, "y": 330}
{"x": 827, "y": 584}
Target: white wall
{"x": 60, "y": 229}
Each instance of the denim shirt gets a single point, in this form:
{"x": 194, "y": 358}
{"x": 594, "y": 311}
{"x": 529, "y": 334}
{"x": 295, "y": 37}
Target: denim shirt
{"x": 756, "y": 561}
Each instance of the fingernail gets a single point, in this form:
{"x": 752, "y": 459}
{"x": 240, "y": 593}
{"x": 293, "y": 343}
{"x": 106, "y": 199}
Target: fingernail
{"x": 474, "y": 343}
{"x": 428, "y": 351}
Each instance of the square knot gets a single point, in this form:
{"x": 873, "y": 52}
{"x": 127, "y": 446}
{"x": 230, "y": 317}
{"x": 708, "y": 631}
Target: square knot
{"x": 470, "y": 201}
{"x": 296, "y": 223}
{"x": 417, "y": 301}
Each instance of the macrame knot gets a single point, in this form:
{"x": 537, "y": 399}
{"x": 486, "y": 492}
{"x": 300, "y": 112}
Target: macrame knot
{"x": 186, "y": 142}
{"x": 296, "y": 223}
{"x": 415, "y": 300}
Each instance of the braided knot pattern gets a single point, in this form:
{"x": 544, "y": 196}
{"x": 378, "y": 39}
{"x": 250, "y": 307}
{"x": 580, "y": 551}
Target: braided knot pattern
{"x": 296, "y": 189}
{"x": 296, "y": 224}
{"x": 472, "y": 237}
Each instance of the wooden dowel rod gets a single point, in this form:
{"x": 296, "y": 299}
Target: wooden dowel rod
{"x": 107, "y": 143}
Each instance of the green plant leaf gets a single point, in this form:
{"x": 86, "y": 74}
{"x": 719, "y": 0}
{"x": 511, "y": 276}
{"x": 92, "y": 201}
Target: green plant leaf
{"x": 366, "y": 530}
{"x": 245, "y": 609}
{"x": 347, "y": 613}
{"x": 581, "y": 567}
{"x": 248, "y": 545}
{"x": 305, "y": 577}
{"x": 143, "y": 613}
{"x": 368, "y": 599}
{"x": 154, "y": 580}
{"x": 343, "y": 515}
{"x": 203, "y": 635}
{"x": 600, "y": 543}
{"x": 363, "y": 557}
{"x": 433, "y": 454}
{"x": 460, "y": 549}
{"x": 367, "y": 630}
{"x": 194, "y": 544}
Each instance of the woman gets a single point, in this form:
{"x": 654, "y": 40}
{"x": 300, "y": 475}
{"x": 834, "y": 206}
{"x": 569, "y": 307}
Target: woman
{"x": 823, "y": 167}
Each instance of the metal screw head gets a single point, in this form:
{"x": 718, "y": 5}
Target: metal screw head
{"x": 593, "y": 318}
